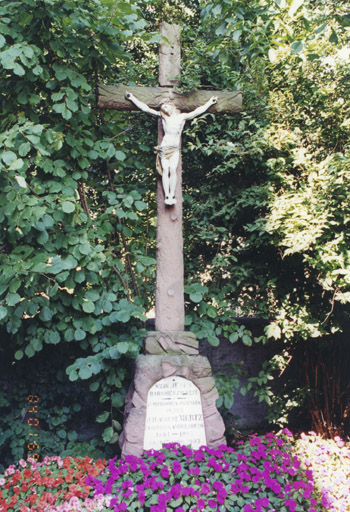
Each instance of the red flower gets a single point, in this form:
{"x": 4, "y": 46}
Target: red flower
{"x": 27, "y": 474}
{"x": 66, "y": 462}
{"x": 32, "y": 499}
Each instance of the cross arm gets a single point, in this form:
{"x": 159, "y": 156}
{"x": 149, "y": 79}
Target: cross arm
{"x": 113, "y": 97}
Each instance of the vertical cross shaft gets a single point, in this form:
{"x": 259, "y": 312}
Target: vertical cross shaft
{"x": 170, "y": 308}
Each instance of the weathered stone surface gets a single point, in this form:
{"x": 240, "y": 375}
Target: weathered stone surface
{"x": 171, "y": 342}
{"x": 201, "y": 368}
{"x": 206, "y": 384}
{"x": 169, "y": 54}
{"x": 151, "y": 369}
{"x": 137, "y": 401}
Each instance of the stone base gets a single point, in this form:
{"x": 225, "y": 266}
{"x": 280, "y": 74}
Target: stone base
{"x": 149, "y": 370}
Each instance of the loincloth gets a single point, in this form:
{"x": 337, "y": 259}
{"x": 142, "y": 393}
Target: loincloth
{"x": 164, "y": 152}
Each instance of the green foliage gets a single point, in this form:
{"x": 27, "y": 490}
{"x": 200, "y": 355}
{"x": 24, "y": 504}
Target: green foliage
{"x": 266, "y": 193}
{"x": 71, "y": 274}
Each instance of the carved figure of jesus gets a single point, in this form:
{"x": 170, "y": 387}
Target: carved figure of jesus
{"x": 168, "y": 153}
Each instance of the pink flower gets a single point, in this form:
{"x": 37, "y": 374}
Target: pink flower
{"x": 339, "y": 441}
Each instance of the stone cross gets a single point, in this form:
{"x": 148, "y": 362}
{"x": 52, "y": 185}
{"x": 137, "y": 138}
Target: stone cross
{"x": 170, "y": 310}
{"x": 173, "y": 396}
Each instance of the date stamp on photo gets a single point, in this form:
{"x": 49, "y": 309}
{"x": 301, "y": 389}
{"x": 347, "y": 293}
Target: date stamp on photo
{"x": 33, "y": 421}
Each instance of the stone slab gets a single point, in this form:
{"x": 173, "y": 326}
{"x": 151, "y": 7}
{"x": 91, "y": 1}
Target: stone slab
{"x": 174, "y": 414}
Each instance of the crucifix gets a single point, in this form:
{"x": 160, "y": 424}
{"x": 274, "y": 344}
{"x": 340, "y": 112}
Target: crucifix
{"x": 173, "y": 109}
{"x": 173, "y": 396}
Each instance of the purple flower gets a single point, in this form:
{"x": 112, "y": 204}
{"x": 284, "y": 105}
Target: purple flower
{"x": 205, "y": 489}
{"x": 176, "y": 491}
{"x": 291, "y": 505}
{"x": 262, "y": 502}
{"x": 201, "y": 504}
{"x": 177, "y": 467}
{"x": 217, "y": 485}
{"x": 199, "y": 457}
{"x": 121, "y": 506}
{"x": 164, "y": 472}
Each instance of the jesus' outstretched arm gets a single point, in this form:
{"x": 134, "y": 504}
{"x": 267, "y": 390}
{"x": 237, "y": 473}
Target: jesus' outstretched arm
{"x": 200, "y": 110}
{"x": 142, "y": 106}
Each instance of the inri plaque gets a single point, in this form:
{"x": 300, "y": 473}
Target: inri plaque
{"x": 174, "y": 414}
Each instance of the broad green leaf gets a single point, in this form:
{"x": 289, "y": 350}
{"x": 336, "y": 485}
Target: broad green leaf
{"x": 24, "y": 149}
{"x": 16, "y": 165}
{"x": 85, "y": 372}
{"x": 88, "y": 307}
{"x": 140, "y": 206}
{"x": 68, "y": 207}
{"x": 196, "y": 297}
{"x": 12, "y": 299}
{"x": 19, "y": 355}
{"x": 92, "y": 296}
{"x": 123, "y": 316}
{"x": 94, "y": 386}
{"x": 102, "y": 417}
{"x": 247, "y": 340}
{"x": 297, "y": 47}
{"x": 120, "y": 155}
{"x": 107, "y": 434}
{"x": 8, "y": 157}
{"x": 54, "y": 337}
{"x": 79, "y": 334}
{"x": 122, "y": 347}
{"x": 45, "y": 314}
{"x": 29, "y": 351}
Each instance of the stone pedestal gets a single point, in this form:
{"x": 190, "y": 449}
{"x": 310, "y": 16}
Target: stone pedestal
{"x": 155, "y": 368}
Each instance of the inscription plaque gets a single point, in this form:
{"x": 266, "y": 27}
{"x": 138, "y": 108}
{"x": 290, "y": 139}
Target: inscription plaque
{"x": 174, "y": 414}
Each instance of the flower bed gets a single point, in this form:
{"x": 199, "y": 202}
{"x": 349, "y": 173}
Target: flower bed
{"x": 263, "y": 474}
{"x": 49, "y": 485}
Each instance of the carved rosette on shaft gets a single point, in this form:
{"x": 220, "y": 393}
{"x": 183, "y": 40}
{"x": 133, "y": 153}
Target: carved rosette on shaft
{"x": 171, "y": 354}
